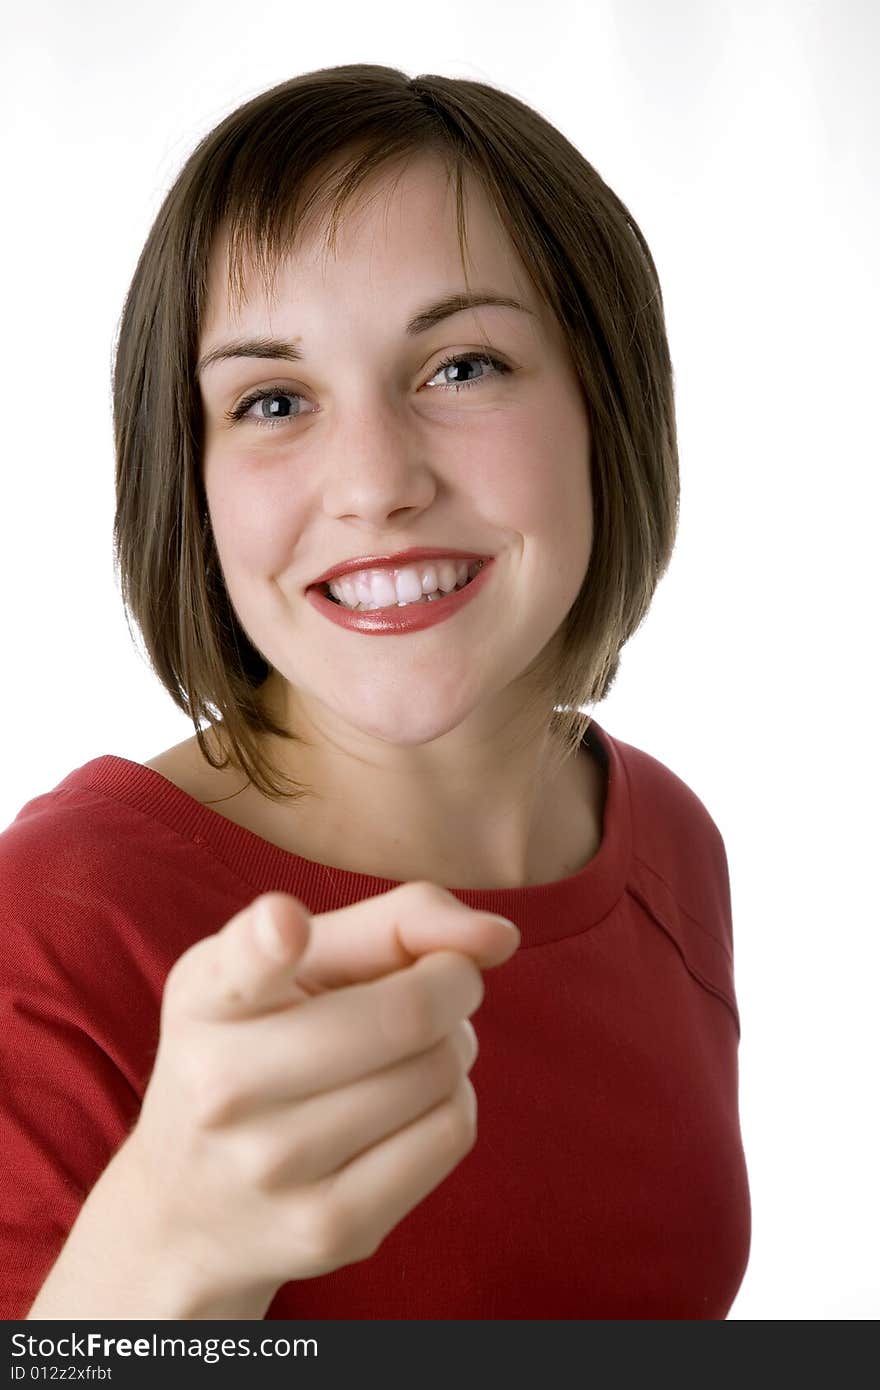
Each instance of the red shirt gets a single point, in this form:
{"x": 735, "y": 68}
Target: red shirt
{"x": 608, "y": 1178}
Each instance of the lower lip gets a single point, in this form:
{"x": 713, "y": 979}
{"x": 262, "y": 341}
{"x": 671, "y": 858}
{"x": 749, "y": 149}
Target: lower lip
{"x": 411, "y": 618}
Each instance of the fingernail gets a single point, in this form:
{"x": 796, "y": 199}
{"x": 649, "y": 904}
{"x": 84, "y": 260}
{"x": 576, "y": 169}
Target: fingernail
{"x": 267, "y": 933}
{"x": 506, "y": 920}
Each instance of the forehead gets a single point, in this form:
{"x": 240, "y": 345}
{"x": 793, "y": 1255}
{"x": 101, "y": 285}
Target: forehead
{"x": 398, "y": 232}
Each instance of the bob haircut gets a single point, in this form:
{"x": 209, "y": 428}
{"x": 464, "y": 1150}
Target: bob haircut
{"x": 325, "y": 133}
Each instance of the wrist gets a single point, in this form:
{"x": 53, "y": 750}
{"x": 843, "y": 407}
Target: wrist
{"x": 121, "y": 1260}
{"x": 184, "y": 1277}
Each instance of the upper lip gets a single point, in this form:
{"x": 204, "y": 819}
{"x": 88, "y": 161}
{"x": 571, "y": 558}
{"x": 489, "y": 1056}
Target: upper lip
{"x": 403, "y": 557}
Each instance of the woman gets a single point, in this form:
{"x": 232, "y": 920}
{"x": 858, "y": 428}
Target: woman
{"x": 396, "y": 481}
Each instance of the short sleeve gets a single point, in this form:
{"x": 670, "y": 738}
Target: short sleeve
{"x": 66, "y": 1103}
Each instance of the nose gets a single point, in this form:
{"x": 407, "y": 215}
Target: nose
{"x": 376, "y": 466}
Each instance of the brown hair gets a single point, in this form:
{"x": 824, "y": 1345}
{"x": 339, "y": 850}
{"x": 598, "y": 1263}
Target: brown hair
{"x": 331, "y": 129}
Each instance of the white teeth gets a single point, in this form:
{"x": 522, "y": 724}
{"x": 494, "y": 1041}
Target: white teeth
{"x": 413, "y": 584}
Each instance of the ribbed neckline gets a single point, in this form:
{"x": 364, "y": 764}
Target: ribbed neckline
{"x": 543, "y": 912}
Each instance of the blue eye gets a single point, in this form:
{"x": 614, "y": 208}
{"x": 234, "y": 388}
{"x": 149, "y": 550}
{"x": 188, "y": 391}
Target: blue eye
{"x": 266, "y": 393}
{"x": 457, "y": 358}
{"x": 275, "y": 393}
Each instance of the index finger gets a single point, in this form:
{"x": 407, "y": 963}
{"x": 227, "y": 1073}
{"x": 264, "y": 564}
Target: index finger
{"x": 392, "y": 930}
{"x": 273, "y": 953}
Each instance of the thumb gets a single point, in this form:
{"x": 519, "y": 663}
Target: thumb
{"x": 246, "y": 968}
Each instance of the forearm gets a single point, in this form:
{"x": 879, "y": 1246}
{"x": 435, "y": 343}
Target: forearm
{"x": 115, "y": 1265}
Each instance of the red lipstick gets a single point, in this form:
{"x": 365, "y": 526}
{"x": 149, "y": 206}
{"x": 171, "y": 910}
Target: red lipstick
{"x": 403, "y": 557}
{"x": 411, "y": 617}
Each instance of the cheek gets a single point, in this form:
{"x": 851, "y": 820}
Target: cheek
{"x": 253, "y": 540}
{"x": 535, "y": 472}
{"x": 255, "y": 533}
{"x": 541, "y": 476}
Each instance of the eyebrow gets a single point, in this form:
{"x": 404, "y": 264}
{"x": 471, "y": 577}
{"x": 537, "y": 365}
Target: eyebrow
{"x": 422, "y": 322}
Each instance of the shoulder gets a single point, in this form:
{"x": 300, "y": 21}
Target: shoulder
{"x": 665, "y": 809}
{"x": 60, "y": 871}
{"x": 70, "y": 835}
{"x": 93, "y": 887}
{"x": 679, "y": 871}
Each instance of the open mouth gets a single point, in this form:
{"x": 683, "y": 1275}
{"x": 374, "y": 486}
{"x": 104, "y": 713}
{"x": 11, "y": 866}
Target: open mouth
{"x": 438, "y": 594}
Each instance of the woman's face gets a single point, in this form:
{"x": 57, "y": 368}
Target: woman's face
{"x": 364, "y": 447}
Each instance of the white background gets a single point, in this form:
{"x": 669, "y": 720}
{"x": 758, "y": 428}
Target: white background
{"x": 743, "y": 137}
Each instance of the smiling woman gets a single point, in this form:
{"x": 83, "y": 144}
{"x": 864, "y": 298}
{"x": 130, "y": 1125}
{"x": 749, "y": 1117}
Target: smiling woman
{"x": 396, "y": 481}
{"x": 569, "y": 275}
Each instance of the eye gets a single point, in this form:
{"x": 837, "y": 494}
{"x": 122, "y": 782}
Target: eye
{"x": 265, "y": 393}
{"x": 276, "y": 393}
{"x": 458, "y": 359}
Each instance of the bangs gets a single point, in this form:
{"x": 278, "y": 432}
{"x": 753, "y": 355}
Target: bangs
{"x": 268, "y": 216}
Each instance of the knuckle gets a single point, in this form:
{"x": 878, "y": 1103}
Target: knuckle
{"x": 463, "y": 978}
{"x": 329, "y": 1231}
{"x": 461, "y": 1119}
{"x": 290, "y": 1158}
{"x": 421, "y": 889}
{"x": 250, "y": 1158}
{"x": 409, "y": 1014}
{"x": 212, "y": 1093}
{"x": 417, "y": 896}
{"x": 447, "y": 1064}
{"x": 475, "y": 981}
{"x": 460, "y": 973}
{"x": 466, "y": 1045}
{"x": 263, "y": 1162}
{"x": 370, "y": 1241}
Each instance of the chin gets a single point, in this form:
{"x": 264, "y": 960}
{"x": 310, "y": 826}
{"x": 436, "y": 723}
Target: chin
{"x": 406, "y": 727}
